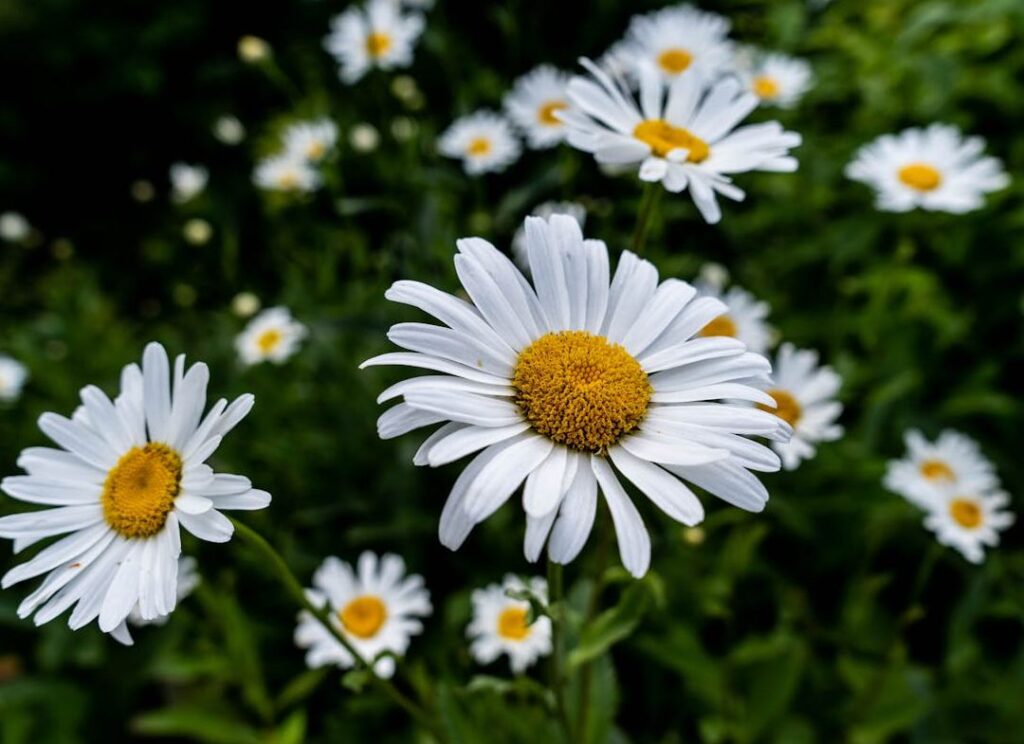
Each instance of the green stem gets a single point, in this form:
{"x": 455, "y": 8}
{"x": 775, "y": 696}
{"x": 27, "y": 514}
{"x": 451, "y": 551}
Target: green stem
{"x": 652, "y": 191}
{"x": 556, "y": 603}
{"x": 593, "y": 605}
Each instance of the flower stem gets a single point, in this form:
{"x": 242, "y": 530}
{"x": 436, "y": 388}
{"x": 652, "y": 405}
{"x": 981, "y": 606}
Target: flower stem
{"x": 556, "y": 603}
{"x": 649, "y": 200}
{"x": 586, "y": 670}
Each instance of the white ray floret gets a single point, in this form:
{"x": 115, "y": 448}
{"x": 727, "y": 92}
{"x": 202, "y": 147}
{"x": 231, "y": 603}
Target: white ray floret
{"x": 500, "y": 624}
{"x": 534, "y": 104}
{"x": 380, "y": 33}
{"x": 745, "y": 318}
{"x": 548, "y": 209}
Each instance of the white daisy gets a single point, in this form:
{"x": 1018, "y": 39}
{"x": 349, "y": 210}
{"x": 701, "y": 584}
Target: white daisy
{"x": 936, "y": 168}
{"x": 229, "y": 130}
{"x": 311, "y": 140}
{"x": 376, "y": 606}
{"x": 745, "y": 318}
{"x": 378, "y": 34}
{"x": 128, "y": 474}
{"x": 519, "y": 252}
{"x": 188, "y": 580}
{"x": 534, "y": 104}
{"x": 285, "y": 172}
{"x": 805, "y": 396}
{"x": 14, "y": 228}
{"x": 13, "y": 375}
{"x": 967, "y": 520}
{"x": 484, "y": 142}
{"x": 684, "y": 140}
{"x": 558, "y": 382}
{"x": 187, "y": 181}
{"x": 273, "y": 335}
{"x": 500, "y": 624}
{"x": 678, "y": 39}
{"x": 776, "y": 79}
{"x": 953, "y": 459}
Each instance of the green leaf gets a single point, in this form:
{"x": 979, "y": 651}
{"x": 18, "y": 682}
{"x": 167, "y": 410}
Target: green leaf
{"x": 617, "y": 623}
{"x": 201, "y": 724}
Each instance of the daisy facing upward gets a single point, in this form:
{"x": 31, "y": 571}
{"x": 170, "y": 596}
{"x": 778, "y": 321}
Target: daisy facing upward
{"x": 378, "y": 34}
{"x": 678, "y": 39}
{"x": 500, "y": 624}
{"x": 953, "y": 460}
{"x": 776, "y": 79}
{"x": 272, "y": 336}
{"x": 534, "y": 104}
{"x": 483, "y": 141}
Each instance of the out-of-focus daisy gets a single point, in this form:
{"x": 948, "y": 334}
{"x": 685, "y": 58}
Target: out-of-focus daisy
{"x": 684, "y": 140}
{"x": 245, "y": 304}
{"x": 534, "y": 104}
{"x": 14, "y": 227}
{"x": 188, "y": 580}
{"x": 288, "y": 173}
{"x": 376, "y": 606}
{"x": 197, "y": 231}
{"x": 253, "y": 49}
{"x": 804, "y": 393}
{"x": 378, "y": 34}
{"x": 484, "y": 142}
{"x": 519, "y": 251}
{"x": 745, "y": 318}
{"x": 558, "y": 383}
{"x": 364, "y": 137}
{"x": 272, "y": 336}
{"x": 678, "y": 39}
{"x": 229, "y": 130}
{"x": 13, "y": 375}
{"x": 311, "y": 140}
{"x": 500, "y": 624}
{"x": 935, "y": 168}
{"x": 952, "y": 460}
{"x": 776, "y": 79}
{"x": 968, "y": 520}
{"x": 187, "y": 181}
{"x": 127, "y": 475}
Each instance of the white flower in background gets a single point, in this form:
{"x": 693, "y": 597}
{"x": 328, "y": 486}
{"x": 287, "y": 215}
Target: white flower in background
{"x": 376, "y": 606}
{"x": 311, "y": 140}
{"x": 272, "y": 336}
{"x": 805, "y": 396}
{"x": 364, "y": 137}
{"x": 534, "y": 104}
{"x": 484, "y": 142}
{"x": 952, "y": 460}
{"x": 378, "y": 34}
{"x": 499, "y": 625}
{"x": 127, "y": 475}
{"x": 558, "y": 383}
{"x": 13, "y": 375}
{"x": 936, "y": 168}
{"x": 197, "y": 231}
{"x": 776, "y": 79}
{"x": 519, "y": 250}
{"x": 14, "y": 227}
{"x": 686, "y": 139}
{"x": 188, "y": 580}
{"x": 253, "y": 49}
{"x": 228, "y": 130}
{"x": 745, "y": 318}
{"x": 286, "y": 173}
{"x": 617, "y": 63}
{"x": 678, "y": 39}
{"x": 245, "y": 304}
{"x": 713, "y": 275}
{"x": 968, "y": 520}
{"x": 187, "y": 181}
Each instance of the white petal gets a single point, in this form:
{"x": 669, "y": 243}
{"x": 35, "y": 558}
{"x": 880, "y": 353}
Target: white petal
{"x": 666, "y": 491}
{"x": 634, "y": 542}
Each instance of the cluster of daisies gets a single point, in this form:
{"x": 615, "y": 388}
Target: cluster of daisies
{"x": 295, "y": 167}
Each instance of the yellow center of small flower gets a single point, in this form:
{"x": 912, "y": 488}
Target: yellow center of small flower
{"x": 580, "y": 390}
{"x": 674, "y": 61}
{"x": 765, "y": 87}
{"x": 479, "y": 147}
{"x": 546, "y": 114}
{"x": 267, "y": 341}
{"x": 315, "y": 151}
{"x": 787, "y": 408}
{"x": 920, "y": 176}
{"x": 723, "y": 325}
{"x": 936, "y": 470}
{"x": 378, "y": 44}
{"x": 364, "y": 616}
{"x": 140, "y": 490}
{"x": 288, "y": 180}
{"x": 512, "y": 624}
{"x": 663, "y": 138}
{"x": 966, "y": 513}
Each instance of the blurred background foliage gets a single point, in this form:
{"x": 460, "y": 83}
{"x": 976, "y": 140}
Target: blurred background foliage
{"x": 805, "y": 623}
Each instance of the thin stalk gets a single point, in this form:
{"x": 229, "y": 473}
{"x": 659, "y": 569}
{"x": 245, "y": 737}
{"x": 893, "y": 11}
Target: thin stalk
{"x": 557, "y": 667}
{"x": 586, "y": 670}
{"x": 649, "y": 200}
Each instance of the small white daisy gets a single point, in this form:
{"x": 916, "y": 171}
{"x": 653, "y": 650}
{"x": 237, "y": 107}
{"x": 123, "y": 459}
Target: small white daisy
{"x": 745, "y": 318}
{"x": 378, "y": 34}
{"x": 188, "y": 580}
{"x": 534, "y": 104}
{"x": 519, "y": 251}
{"x": 967, "y": 520}
{"x": 376, "y": 606}
{"x": 686, "y": 139}
{"x": 805, "y": 396}
{"x": 187, "y": 181}
{"x": 272, "y": 336}
{"x": 499, "y": 625}
{"x": 287, "y": 173}
{"x": 311, "y": 140}
{"x": 678, "y": 39}
{"x": 557, "y": 383}
{"x": 228, "y": 130}
{"x": 484, "y": 142}
{"x": 936, "y": 169}
{"x": 13, "y": 375}
{"x": 776, "y": 79}
{"x": 128, "y": 474}
{"x": 953, "y": 459}
{"x": 14, "y": 228}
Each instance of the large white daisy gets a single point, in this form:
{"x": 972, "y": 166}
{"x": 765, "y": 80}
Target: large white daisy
{"x": 311, "y": 140}
{"x": 678, "y": 39}
{"x": 500, "y": 624}
{"x": 272, "y": 336}
{"x": 683, "y": 139}
{"x": 483, "y": 141}
{"x": 776, "y": 79}
{"x": 565, "y": 382}
{"x": 953, "y": 460}
{"x": 744, "y": 319}
{"x": 968, "y": 520}
{"x": 378, "y": 34}
{"x": 13, "y": 375}
{"x": 128, "y": 474}
{"x": 534, "y": 102}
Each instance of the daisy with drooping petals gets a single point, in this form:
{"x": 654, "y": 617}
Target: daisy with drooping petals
{"x": 678, "y": 39}
{"x": 484, "y": 142}
{"x": 686, "y": 139}
{"x": 379, "y": 34}
{"x": 127, "y": 475}
{"x": 500, "y": 624}
{"x": 534, "y": 104}
{"x": 376, "y": 606}
{"x": 272, "y": 336}
{"x": 188, "y": 580}
{"x": 776, "y": 79}
{"x": 187, "y": 181}
{"x": 745, "y": 318}
{"x": 13, "y": 375}
{"x": 570, "y": 385}
{"x": 288, "y": 173}
{"x": 311, "y": 140}
{"x": 968, "y": 520}
{"x": 519, "y": 251}
{"x": 936, "y": 169}
{"x": 953, "y": 460}
{"x": 804, "y": 393}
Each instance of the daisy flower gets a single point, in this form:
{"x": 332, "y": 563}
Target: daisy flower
{"x": 776, "y": 79}
{"x": 228, "y": 130}
{"x": 376, "y": 606}
{"x": 500, "y": 624}
{"x": 127, "y": 475}
{"x": 484, "y": 142}
{"x": 744, "y": 319}
{"x": 534, "y": 104}
{"x": 311, "y": 140}
{"x": 272, "y": 336}
{"x": 14, "y": 228}
{"x": 188, "y": 580}
{"x": 571, "y": 383}
{"x": 937, "y": 169}
{"x": 13, "y": 375}
{"x": 953, "y": 459}
{"x": 187, "y": 181}
{"x": 519, "y": 251}
{"x": 968, "y": 520}
{"x": 378, "y": 34}
{"x": 286, "y": 172}
{"x": 678, "y": 39}
{"x": 686, "y": 139}
{"x": 804, "y": 393}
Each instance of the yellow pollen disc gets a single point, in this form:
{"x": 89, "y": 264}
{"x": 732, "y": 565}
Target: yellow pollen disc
{"x": 378, "y": 44}
{"x": 267, "y": 341}
{"x": 674, "y": 61}
{"x": 936, "y": 470}
{"x": 479, "y": 147}
{"x": 315, "y": 151}
{"x": 787, "y": 407}
{"x": 580, "y": 390}
{"x": 287, "y": 181}
{"x": 723, "y": 325}
{"x": 966, "y": 513}
{"x": 663, "y": 138}
{"x": 364, "y": 616}
{"x": 920, "y": 176}
{"x": 512, "y": 624}
{"x": 140, "y": 490}
{"x": 546, "y": 114}
{"x": 765, "y": 87}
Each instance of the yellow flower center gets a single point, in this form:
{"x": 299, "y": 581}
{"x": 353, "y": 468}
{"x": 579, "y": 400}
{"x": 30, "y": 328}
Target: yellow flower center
{"x": 966, "y": 513}
{"x": 663, "y": 138}
{"x": 315, "y": 151}
{"x": 765, "y": 87}
{"x": 288, "y": 180}
{"x": 723, "y": 325}
{"x": 936, "y": 470}
{"x": 479, "y": 147}
{"x": 920, "y": 176}
{"x": 786, "y": 408}
{"x": 512, "y": 624}
{"x": 378, "y": 44}
{"x": 546, "y": 114}
{"x": 580, "y": 390}
{"x": 364, "y": 616}
{"x": 269, "y": 340}
{"x": 674, "y": 61}
{"x": 140, "y": 490}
